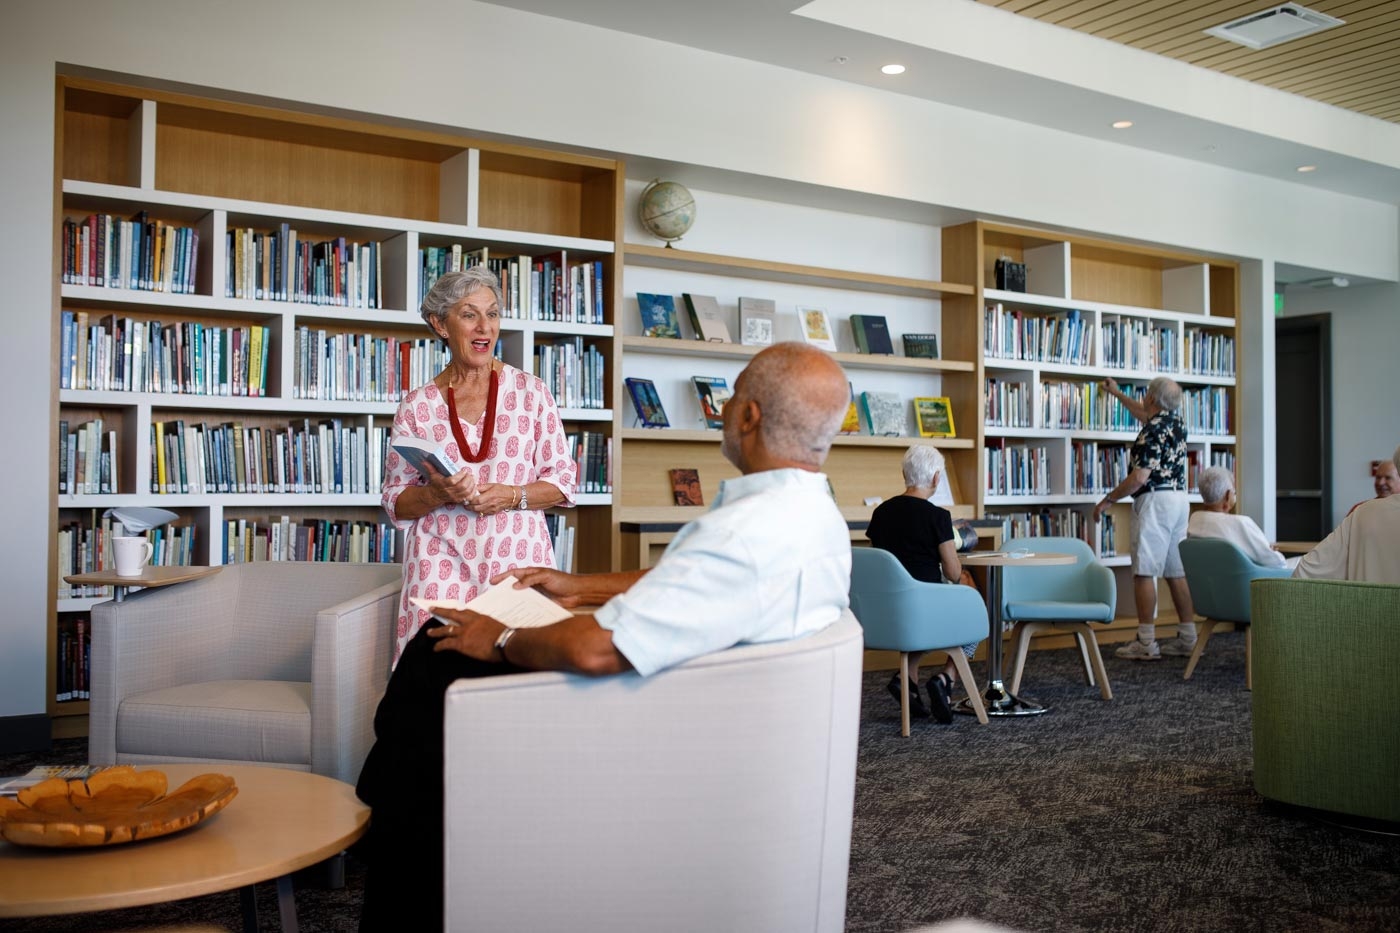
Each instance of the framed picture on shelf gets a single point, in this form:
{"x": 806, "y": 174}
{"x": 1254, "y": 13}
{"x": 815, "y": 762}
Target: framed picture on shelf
{"x": 935, "y": 417}
{"x": 884, "y": 412}
{"x": 713, "y": 392}
{"x": 658, "y": 315}
{"x": 685, "y": 487}
{"x": 756, "y": 321}
{"x": 816, "y": 328}
{"x": 647, "y": 403}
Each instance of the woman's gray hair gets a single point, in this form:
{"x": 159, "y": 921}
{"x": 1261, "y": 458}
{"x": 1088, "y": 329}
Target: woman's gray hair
{"x": 921, "y": 464}
{"x": 1165, "y": 392}
{"x": 1214, "y": 482}
{"x": 452, "y": 287}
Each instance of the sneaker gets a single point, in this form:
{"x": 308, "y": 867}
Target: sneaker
{"x": 1177, "y": 648}
{"x": 940, "y": 698}
{"x": 916, "y": 703}
{"x": 1135, "y": 650}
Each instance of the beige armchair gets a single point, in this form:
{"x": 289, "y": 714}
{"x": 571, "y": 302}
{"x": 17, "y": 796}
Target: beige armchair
{"x": 716, "y": 795}
{"x": 281, "y": 664}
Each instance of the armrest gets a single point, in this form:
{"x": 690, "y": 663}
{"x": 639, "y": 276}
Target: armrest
{"x": 350, "y": 656}
{"x": 1101, "y": 586}
{"x": 154, "y": 638}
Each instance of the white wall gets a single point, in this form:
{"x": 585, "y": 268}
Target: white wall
{"x": 1365, "y": 419}
{"x": 476, "y": 66}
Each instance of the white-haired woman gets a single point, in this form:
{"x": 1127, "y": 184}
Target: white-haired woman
{"x": 1216, "y": 519}
{"x": 1157, "y": 482}
{"x": 920, "y": 534}
{"x": 502, "y": 427}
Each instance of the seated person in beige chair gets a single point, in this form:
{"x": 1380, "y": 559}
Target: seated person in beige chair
{"x": 1365, "y": 546}
{"x": 770, "y": 560}
{"x": 1217, "y": 520}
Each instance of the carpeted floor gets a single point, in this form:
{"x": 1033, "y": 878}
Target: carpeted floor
{"x": 1136, "y": 815}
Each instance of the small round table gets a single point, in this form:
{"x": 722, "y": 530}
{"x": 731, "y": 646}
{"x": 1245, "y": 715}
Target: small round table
{"x": 998, "y": 700}
{"x": 281, "y": 821}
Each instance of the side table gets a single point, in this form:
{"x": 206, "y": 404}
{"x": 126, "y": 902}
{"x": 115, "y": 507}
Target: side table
{"x": 149, "y": 577}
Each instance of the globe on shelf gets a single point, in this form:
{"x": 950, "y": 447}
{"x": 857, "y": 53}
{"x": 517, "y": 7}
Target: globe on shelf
{"x": 666, "y": 210}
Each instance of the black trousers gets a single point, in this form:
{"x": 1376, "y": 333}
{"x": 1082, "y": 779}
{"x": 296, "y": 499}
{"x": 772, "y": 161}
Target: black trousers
{"x": 402, "y": 784}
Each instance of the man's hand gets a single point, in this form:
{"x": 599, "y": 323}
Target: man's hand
{"x": 1101, "y": 507}
{"x": 468, "y": 632}
{"x": 1110, "y": 383}
{"x": 566, "y": 589}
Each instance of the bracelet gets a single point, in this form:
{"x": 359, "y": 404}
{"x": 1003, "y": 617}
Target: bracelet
{"x": 514, "y": 496}
{"x": 503, "y": 639}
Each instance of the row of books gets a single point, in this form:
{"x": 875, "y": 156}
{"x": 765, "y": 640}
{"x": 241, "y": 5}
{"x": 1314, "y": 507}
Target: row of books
{"x": 1014, "y": 334}
{"x": 1206, "y": 410}
{"x": 1018, "y": 470}
{"x": 1096, "y": 468}
{"x": 1195, "y": 464}
{"x": 1132, "y": 343}
{"x": 108, "y": 252}
{"x": 123, "y": 354}
{"x": 592, "y": 452}
{"x": 85, "y": 546}
{"x": 1009, "y": 405}
{"x": 73, "y": 659}
{"x": 1086, "y": 406}
{"x": 320, "y": 540}
{"x": 362, "y": 367}
{"x": 277, "y": 265}
{"x": 1062, "y": 523}
{"x": 573, "y": 372}
{"x": 325, "y": 457}
{"x": 87, "y": 458}
{"x": 539, "y": 288}
{"x": 561, "y": 537}
{"x": 1209, "y": 353}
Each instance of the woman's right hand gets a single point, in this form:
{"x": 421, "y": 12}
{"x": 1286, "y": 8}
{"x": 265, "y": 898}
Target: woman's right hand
{"x": 455, "y": 489}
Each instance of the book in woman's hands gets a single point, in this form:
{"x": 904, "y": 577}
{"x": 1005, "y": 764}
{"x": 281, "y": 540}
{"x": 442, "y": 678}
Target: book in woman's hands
{"x": 523, "y": 608}
{"x": 420, "y": 450}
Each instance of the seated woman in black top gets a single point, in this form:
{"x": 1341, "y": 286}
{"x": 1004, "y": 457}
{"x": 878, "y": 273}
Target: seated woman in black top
{"x": 920, "y": 534}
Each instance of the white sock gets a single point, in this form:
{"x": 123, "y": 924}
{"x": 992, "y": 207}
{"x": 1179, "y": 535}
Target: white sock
{"x": 1147, "y": 634}
{"x": 1187, "y": 633}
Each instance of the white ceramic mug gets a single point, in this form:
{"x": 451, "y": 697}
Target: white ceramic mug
{"x": 131, "y": 554}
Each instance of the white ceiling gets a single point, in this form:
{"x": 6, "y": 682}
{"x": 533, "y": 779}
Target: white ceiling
{"x": 967, "y": 54}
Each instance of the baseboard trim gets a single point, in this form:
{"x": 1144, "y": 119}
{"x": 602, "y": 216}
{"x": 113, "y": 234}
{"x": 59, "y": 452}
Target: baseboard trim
{"x": 30, "y": 733}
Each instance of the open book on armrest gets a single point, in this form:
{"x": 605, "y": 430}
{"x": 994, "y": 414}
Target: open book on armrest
{"x": 524, "y": 608}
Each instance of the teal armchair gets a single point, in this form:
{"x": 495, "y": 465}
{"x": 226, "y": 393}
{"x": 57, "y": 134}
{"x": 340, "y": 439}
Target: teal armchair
{"x": 1219, "y": 574}
{"x": 1062, "y": 598}
{"x": 1327, "y": 685}
{"x": 899, "y": 613}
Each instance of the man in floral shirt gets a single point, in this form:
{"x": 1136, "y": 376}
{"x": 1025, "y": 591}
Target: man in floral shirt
{"x": 1157, "y": 482}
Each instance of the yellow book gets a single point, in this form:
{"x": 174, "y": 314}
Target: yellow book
{"x": 158, "y": 452}
{"x": 255, "y": 351}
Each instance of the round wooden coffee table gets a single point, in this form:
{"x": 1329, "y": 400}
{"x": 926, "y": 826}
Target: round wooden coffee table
{"x": 281, "y": 821}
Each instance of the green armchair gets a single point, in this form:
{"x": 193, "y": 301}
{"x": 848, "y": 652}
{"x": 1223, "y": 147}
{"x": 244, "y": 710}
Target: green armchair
{"x": 1327, "y": 685}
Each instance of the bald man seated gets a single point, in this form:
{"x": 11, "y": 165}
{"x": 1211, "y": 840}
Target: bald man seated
{"x": 770, "y": 560}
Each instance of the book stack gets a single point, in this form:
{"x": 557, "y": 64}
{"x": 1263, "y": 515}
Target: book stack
{"x": 1096, "y": 468}
{"x": 73, "y": 659}
{"x": 361, "y": 367}
{"x": 592, "y": 452}
{"x": 87, "y": 459}
{"x": 1206, "y": 410}
{"x": 313, "y": 539}
{"x": 561, "y": 538}
{"x": 279, "y": 266}
{"x": 1017, "y": 470}
{"x": 573, "y": 372}
{"x": 123, "y": 354}
{"x": 108, "y": 252}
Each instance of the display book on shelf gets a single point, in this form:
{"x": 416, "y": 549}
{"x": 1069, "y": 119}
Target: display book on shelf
{"x": 165, "y": 341}
{"x": 1055, "y": 440}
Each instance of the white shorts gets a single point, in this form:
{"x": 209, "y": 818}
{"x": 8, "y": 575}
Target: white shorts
{"x": 1157, "y": 527}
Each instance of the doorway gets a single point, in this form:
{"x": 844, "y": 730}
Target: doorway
{"x": 1303, "y": 439}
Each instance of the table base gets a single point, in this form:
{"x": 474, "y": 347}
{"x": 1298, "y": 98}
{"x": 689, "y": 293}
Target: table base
{"x": 1001, "y": 702}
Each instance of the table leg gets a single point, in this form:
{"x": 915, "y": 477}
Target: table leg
{"x": 248, "y": 897}
{"x": 998, "y": 700}
{"x": 286, "y": 904}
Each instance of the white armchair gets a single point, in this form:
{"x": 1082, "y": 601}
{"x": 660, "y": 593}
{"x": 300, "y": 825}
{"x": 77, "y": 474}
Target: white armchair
{"x": 716, "y": 795}
{"x": 281, "y": 664}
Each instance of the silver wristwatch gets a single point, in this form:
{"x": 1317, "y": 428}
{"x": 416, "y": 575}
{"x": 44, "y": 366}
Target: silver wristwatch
{"x": 524, "y": 499}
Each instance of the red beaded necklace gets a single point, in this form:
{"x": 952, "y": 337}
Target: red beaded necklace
{"x": 488, "y": 430}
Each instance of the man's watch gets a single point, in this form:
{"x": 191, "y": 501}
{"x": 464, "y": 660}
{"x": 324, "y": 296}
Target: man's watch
{"x": 524, "y": 499}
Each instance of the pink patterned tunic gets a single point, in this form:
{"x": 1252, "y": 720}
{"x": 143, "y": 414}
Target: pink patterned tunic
{"x": 452, "y": 552}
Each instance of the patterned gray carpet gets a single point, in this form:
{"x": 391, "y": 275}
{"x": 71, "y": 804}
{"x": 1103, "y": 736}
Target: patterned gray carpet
{"x": 1132, "y": 815}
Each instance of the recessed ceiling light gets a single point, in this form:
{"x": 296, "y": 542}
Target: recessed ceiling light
{"x": 1122, "y": 124}
{"x": 893, "y": 69}
{"x": 1307, "y": 168}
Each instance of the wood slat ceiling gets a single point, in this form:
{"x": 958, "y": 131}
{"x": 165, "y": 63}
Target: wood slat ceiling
{"x": 1355, "y": 66}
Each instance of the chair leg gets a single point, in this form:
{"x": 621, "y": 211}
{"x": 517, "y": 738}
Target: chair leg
{"x": 1082, "y": 636}
{"x": 904, "y": 693}
{"x": 974, "y": 696}
{"x": 1249, "y": 657}
{"x": 1203, "y": 630}
{"x": 1021, "y": 640}
{"x": 1090, "y": 646}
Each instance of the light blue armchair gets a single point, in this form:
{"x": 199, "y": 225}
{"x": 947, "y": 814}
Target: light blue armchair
{"x": 899, "y": 613}
{"x": 1218, "y": 574}
{"x": 1062, "y": 598}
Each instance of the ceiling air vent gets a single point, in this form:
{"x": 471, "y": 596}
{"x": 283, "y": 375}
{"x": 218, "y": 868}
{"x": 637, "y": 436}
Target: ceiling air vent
{"x": 1270, "y": 27}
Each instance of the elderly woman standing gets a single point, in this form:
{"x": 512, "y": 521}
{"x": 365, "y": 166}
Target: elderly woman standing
{"x": 501, "y": 425}
{"x": 1157, "y": 482}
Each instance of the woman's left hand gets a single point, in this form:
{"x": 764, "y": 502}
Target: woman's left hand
{"x": 490, "y": 498}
